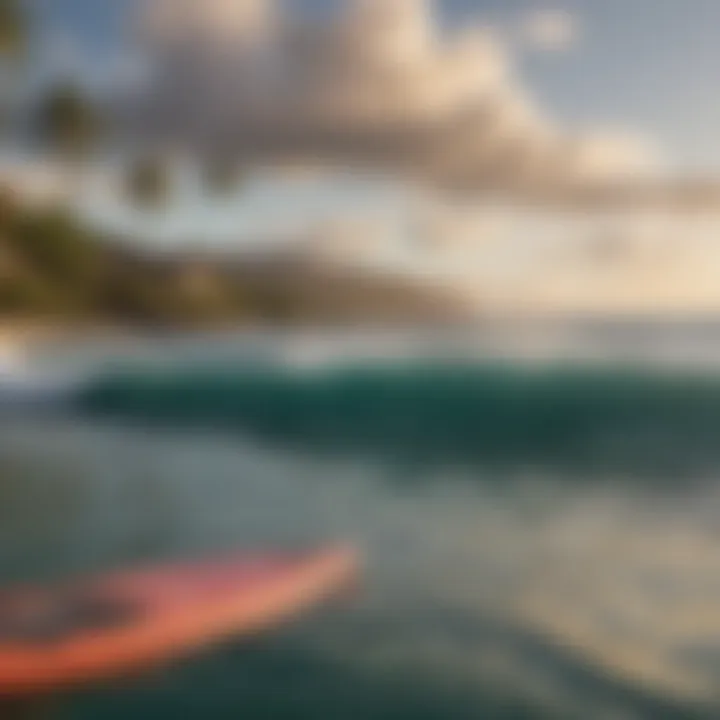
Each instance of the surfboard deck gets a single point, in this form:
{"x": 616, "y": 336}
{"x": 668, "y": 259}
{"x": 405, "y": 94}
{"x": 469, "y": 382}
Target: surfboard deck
{"x": 121, "y": 624}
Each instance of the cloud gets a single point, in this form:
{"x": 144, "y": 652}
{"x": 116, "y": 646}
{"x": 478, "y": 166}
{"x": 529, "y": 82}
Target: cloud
{"x": 191, "y": 21}
{"x": 378, "y": 82}
{"x": 606, "y": 154}
{"x": 551, "y": 30}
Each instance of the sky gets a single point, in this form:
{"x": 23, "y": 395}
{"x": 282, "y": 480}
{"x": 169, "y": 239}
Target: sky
{"x": 647, "y": 66}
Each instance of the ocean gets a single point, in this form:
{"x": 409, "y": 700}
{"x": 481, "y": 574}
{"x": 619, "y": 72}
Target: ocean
{"x": 537, "y": 505}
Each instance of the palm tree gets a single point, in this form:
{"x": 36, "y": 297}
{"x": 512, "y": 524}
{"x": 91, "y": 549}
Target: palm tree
{"x": 222, "y": 177}
{"x": 68, "y": 124}
{"x": 148, "y": 182}
{"x": 13, "y": 29}
{"x": 13, "y": 42}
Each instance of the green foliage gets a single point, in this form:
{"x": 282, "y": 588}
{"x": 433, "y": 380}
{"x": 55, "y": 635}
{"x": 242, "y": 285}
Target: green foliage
{"x": 54, "y": 262}
{"x": 55, "y": 266}
{"x": 56, "y": 246}
{"x": 9, "y": 209}
{"x": 13, "y": 29}
{"x": 223, "y": 176}
{"x": 148, "y": 182}
{"x": 52, "y": 266}
{"x": 22, "y": 295}
{"x": 67, "y": 122}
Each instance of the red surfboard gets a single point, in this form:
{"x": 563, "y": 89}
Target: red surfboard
{"x": 124, "y": 623}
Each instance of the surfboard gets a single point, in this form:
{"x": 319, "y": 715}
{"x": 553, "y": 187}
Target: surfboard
{"x": 121, "y": 624}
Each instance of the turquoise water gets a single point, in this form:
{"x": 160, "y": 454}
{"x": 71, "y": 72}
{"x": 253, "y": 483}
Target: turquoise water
{"x": 439, "y": 413}
{"x": 541, "y": 534}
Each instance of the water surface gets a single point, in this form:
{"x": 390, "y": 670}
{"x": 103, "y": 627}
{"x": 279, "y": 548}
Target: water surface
{"x": 539, "y": 515}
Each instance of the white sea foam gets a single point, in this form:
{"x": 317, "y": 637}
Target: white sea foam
{"x": 26, "y": 382}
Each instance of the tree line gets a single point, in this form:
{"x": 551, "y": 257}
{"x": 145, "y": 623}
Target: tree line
{"x": 50, "y": 263}
{"x": 53, "y": 266}
{"x": 69, "y": 126}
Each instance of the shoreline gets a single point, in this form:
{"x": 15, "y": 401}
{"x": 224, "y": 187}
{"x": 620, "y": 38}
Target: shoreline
{"x": 18, "y": 335}
{"x": 20, "y": 339}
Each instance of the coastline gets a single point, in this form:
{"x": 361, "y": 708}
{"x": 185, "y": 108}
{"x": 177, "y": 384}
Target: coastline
{"x": 19, "y": 337}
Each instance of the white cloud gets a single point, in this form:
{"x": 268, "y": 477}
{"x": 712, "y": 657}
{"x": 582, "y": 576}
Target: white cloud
{"x": 607, "y": 154}
{"x": 209, "y": 21}
{"x": 551, "y": 30}
{"x": 378, "y": 83}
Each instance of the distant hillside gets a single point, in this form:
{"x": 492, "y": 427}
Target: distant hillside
{"x": 51, "y": 267}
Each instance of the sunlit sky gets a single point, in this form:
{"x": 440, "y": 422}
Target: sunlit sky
{"x": 648, "y": 65}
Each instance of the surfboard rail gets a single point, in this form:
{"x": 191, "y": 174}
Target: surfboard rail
{"x": 140, "y": 619}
